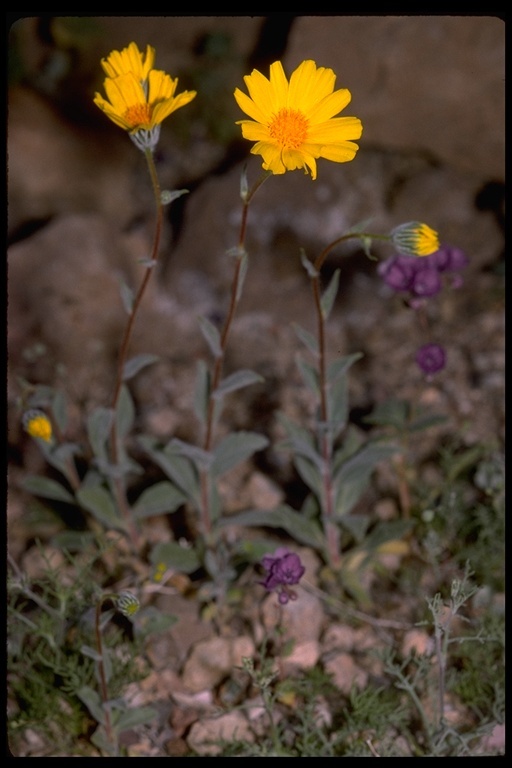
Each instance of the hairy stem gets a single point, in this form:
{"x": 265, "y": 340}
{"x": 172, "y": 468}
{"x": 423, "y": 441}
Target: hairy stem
{"x": 102, "y": 674}
{"x": 118, "y": 483}
{"x": 205, "y": 478}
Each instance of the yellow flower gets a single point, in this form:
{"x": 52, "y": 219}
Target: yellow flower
{"x": 131, "y": 109}
{"x": 130, "y": 59}
{"x": 139, "y": 97}
{"x": 293, "y": 122}
{"x": 37, "y": 424}
{"x": 415, "y": 239}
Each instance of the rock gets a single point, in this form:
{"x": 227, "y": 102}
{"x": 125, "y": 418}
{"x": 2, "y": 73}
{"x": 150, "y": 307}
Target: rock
{"x": 300, "y": 620}
{"x": 345, "y": 672}
{"x": 211, "y": 660}
{"x": 429, "y": 83}
{"x": 205, "y": 735}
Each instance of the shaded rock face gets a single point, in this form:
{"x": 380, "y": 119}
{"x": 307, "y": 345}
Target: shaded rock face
{"x": 429, "y": 91}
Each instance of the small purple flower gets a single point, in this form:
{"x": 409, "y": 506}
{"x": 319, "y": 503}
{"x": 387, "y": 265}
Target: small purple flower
{"x": 431, "y": 358}
{"x": 283, "y": 569}
{"x": 398, "y": 272}
{"x": 426, "y": 282}
{"x": 448, "y": 259}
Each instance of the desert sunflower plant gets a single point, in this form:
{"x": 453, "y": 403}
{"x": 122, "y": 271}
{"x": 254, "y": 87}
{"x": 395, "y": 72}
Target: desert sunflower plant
{"x": 294, "y": 124}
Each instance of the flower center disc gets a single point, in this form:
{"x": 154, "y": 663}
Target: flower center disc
{"x": 289, "y": 128}
{"x": 139, "y": 114}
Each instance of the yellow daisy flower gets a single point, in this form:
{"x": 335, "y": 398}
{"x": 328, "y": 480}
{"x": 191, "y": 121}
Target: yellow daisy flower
{"x": 293, "y": 122}
{"x": 130, "y": 108}
{"x": 130, "y": 59}
{"x": 139, "y": 97}
{"x": 415, "y": 239}
{"x": 37, "y": 424}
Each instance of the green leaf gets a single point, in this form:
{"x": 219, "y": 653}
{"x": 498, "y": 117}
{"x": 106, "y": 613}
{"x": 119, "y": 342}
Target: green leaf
{"x": 244, "y": 263}
{"x": 160, "y": 499}
{"x": 356, "y": 525}
{"x": 361, "y": 226}
{"x": 173, "y": 555}
{"x": 302, "y": 529}
{"x": 310, "y": 473}
{"x": 98, "y": 501}
{"x": 237, "y": 380}
{"x": 234, "y": 449}
{"x": 352, "y": 477}
{"x": 62, "y": 458}
{"x": 126, "y": 297}
{"x": 99, "y": 425}
{"x": 47, "y": 488}
{"x": 202, "y": 391}
{"x": 200, "y": 458}
{"x": 211, "y": 335}
{"x": 92, "y": 653}
{"x": 135, "y": 716}
{"x": 92, "y": 701}
{"x": 73, "y": 541}
{"x": 387, "y": 530}
{"x": 309, "y": 374}
{"x": 390, "y": 413}
{"x": 329, "y": 295}
{"x": 136, "y": 364}
{"x": 168, "y": 196}
{"x": 340, "y": 367}
{"x": 300, "y": 441}
{"x": 306, "y": 337}
{"x": 59, "y": 410}
{"x": 125, "y": 413}
{"x": 307, "y": 264}
{"x": 177, "y": 468}
{"x": 150, "y": 621}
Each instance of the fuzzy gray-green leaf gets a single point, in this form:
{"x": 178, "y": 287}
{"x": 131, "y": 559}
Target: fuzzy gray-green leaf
{"x": 202, "y": 391}
{"x": 136, "y": 364}
{"x": 211, "y": 335}
{"x": 46, "y": 488}
{"x": 329, "y": 295}
{"x": 92, "y": 701}
{"x": 236, "y": 448}
{"x": 306, "y": 337}
{"x": 98, "y": 501}
{"x": 135, "y": 716}
{"x": 237, "y": 380}
{"x": 173, "y": 555}
{"x": 352, "y": 477}
{"x": 159, "y": 499}
{"x": 302, "y": 529}
{"x": 99, "y": 425}
{"x": 125, "y": 413}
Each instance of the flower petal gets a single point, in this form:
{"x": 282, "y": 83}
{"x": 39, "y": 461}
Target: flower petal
{"x": 250, "y": 108}
{"x": 335, "y": 130}
{"x": 329, "y": 106}
{"x": 309, "y": 85}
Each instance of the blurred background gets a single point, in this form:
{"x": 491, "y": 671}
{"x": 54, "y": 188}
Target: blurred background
{"x": 429, "y": 91}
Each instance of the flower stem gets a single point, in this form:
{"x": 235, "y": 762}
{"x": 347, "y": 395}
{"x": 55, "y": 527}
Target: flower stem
{"x": 236, "y": 287}
{"x": 331, "y": 529}
{"x": 102, "y": 674}
{"x": 119, "y": 488}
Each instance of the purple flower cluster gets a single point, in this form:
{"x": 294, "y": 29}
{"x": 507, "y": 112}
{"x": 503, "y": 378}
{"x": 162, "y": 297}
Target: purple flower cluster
{"x": 421, "y": 277}
{"x": 283, "y": 568}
